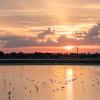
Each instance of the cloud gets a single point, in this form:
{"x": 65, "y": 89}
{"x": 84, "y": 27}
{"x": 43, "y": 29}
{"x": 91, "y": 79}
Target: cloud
{"x": 11, "y": 4}
{"x": 14, "y": 41}
{"x": 65, "y": 41}
{"x": 46, "y": 33}
{"x": 44, "y": 12}
{"x": 92, "y": 36}
{"x": 94, "y": 31}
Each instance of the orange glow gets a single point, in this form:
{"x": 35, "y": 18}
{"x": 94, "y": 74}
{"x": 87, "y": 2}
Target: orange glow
{"x": 69, "y": 47}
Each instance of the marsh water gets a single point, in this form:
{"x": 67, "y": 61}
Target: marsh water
{"x": 49, "y": 82}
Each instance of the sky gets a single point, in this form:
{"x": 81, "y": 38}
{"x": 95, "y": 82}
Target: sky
{"x": 49, "y": 25}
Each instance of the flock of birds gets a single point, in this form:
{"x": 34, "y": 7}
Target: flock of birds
{"x": 36, "y": 81}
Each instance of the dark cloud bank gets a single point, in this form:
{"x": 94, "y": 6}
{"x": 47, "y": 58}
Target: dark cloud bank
{"x": 92, "y": 37}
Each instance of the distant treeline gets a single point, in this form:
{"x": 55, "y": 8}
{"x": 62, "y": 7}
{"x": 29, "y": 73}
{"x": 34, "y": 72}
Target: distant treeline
{"x": 38, "y": 55}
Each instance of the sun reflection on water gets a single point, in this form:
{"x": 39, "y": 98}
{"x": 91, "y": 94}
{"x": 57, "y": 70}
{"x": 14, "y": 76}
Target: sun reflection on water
{"x": 69, "y": 86}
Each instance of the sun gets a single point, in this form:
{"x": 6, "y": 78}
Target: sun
{"x": 69, "y": 47}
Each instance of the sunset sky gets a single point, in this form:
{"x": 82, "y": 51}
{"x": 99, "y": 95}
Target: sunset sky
{"x": 49, "y": 25}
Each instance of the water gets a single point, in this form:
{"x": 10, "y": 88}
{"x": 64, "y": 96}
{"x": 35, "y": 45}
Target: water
{"x": 49, "y": 82}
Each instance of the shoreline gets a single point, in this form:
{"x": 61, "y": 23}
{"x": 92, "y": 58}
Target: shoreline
{"x": 49, "y": 61}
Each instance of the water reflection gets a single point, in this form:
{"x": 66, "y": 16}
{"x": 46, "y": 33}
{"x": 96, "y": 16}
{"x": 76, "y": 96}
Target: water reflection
{"x": 69, "y": 86}
{"x": 49, "y": 82}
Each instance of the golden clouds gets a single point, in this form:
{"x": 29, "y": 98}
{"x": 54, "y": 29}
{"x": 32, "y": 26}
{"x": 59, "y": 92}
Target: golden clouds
{"x": 28, "y": 18}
